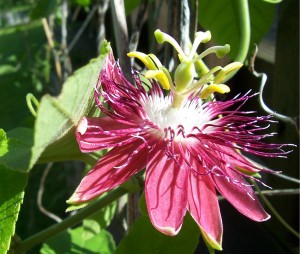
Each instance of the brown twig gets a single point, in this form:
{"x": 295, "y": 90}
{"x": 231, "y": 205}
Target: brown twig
{"x": 121, "y": 35}
{"x": 52, "y": 47}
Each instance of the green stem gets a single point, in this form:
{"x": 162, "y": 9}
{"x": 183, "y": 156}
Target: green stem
{"x": 40, "y": 237}
{"x": 245, "y": 30}
{"x": 31, "y": 99}
{"x": 245, "y": 33}
{"x": 276, "y": 214}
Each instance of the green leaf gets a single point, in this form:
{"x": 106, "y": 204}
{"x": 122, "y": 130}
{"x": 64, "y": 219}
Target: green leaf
{"x": 78, "y": 240}
{"x": 43, "y": 8}
{"x": 18, "y": 145}
{"x": 3, "y": 143}
{"x": 57, "y": 117}
{"x": 144, "y": 238}
{"x": 221, "y": 18}
{"x": 102, "y": 218}
{"x": 12, "y": 188}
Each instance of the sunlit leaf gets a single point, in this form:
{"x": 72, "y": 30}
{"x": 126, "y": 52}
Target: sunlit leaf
{"x": 144, "y": 238}
{"x": 12, "y": 188}
{"x": 77, "y": 241}
{"x": 3, "y": 143}
{"x": 57, "y": 117}
{"x": 222, "y": 19}
{"x": 18, "y": 145}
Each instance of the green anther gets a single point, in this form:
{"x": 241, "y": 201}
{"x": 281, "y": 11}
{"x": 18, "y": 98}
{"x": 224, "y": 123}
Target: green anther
{"x": 199, "y": 37}
{"x": 184, "y": 75}
{"x": 163, "y": 37}
{"x": 222, "y": 51}
{"x": 159, "y": 35}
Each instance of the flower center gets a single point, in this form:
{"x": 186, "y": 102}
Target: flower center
{"x": 189, "y": 115}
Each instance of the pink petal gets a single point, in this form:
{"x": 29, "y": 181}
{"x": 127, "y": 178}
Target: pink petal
{"x": 113, "y": 169}
{"x": 165, "y": 188}
{"x": 95, "y": 134}
{"x": 238, "y": 160}
{"x": 204, "y": 206}
{"x": 238, "y": 192}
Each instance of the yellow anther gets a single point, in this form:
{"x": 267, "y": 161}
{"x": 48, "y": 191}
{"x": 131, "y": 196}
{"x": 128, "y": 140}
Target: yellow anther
{"x": 144, "y": 58}
{"x": 155, "y": 60}
{"x": 167, "y": 73}
{"x": 160, "y": 76}
{"x": 226, "y": 70}
{"x": 221, "y": 88}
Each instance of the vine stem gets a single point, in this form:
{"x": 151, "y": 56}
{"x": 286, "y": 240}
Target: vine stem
{"x": 245, "y": 33}
{"x": 276, "y": 214}
{"x": 245, "y": 30}
{"x": 41, "y": 236}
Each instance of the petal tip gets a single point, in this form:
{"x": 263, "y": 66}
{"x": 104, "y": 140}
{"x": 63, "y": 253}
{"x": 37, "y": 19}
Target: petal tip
{"x": 264, "y": 218}
{"x": 74, "y": 199}
{"x": 168, "y": 230}
{"x": 82, "y": 126}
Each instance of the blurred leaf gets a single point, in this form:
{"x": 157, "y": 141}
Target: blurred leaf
{"x": 142, "y": 204}
{"x": 78, "y": 241}
{"x": 273, "y": 1}
{"x": 57, "y": 117}
{"x": 131, "y": 5}
{"x": 83, "y": 3}
{"x": 44, "y": 8}
{"x": 221, "y": 18}
{"x": 144, "y": 238}
{"x": 19, "y": 68}
{"x": 19, "y": 143}
{"x": 12, "y": 188}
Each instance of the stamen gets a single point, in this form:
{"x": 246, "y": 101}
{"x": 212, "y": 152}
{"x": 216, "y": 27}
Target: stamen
{"x": 226, "y": 70}
{"x": 214, "y": 88}
{"x": 163, "y": 37}
{"x": 199, "y": 37}
{"x": 220, "y": 51}
{"x": 147, "y": 60}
